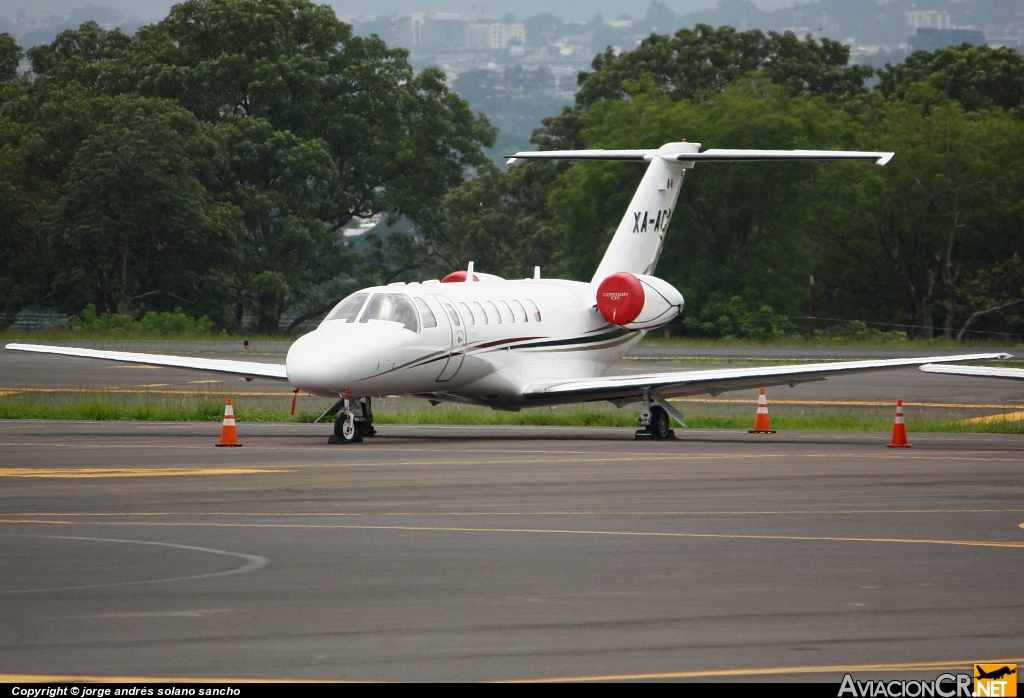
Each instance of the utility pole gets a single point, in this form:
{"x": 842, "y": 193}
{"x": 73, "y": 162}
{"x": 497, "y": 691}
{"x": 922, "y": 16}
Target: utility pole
{"x": 810, "y": 309}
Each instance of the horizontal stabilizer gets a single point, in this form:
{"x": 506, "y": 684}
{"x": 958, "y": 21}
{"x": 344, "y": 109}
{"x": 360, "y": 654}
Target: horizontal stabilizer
{"x": 727, "y": 155}
{"x": 640, "y": 155}
{"x": 711, "y": 155}
{"x": 249, "y": 369}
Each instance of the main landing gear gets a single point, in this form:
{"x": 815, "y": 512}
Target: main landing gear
{"x": 654, "y": 422}
{"x": 354, "y": 421}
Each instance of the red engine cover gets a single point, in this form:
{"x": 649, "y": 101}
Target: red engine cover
{"x": 457, "y": 276}
{"x": 620, "y": 298}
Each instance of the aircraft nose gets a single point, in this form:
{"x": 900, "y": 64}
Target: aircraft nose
{"x": 328, "y": 360}
{"x": 314, "y": 363}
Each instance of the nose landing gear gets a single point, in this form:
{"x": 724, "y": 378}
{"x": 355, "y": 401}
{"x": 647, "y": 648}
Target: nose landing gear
{"x": 354, "y": 421}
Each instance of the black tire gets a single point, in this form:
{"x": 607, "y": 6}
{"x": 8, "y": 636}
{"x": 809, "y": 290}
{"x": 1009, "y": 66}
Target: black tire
{"x": 659, "y": 423}
{"x": 349, "y": 431}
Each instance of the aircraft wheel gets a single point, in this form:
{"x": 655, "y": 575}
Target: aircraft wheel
{"x": 351, "y": 432}
{"x": 659, "y": 423}
{"x": 347, "y": 430}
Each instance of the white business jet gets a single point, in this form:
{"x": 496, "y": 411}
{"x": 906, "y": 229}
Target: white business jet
{"x": 479, "y": 339}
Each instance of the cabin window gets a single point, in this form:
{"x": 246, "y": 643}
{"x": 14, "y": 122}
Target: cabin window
{"x": 492, "y": 313}
{"x": 520, "y": 311}
{"x": 483, "y": 314}
{"x": 349, "y": 308}
{"x": 426, "y": 313}
{"x": 533, "y": 309}
{"x": 452, "y": 314}
{"x": 506, "y": 312}
{"x": 468, "y": 314}
{"x": 392, "y": 307}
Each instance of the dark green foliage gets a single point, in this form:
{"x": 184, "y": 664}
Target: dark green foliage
{"x": 697, "y": 63}
{"x": 210, "y": 160}
{"x": 133, "y": 214}
{"x": 150, "y": 324}
{"x": 498, "y": 221}
{"x": 732, "y": 317}
{"x": 10, "y": 58}
{"x": 859, "y": 331}
{"x": 978, "y": 77}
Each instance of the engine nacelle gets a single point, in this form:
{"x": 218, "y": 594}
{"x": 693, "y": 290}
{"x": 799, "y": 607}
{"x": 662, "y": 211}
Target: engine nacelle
{"x": 637, "y": 301}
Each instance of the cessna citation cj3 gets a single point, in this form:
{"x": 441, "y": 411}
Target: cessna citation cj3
{"x": 479, "y": 339}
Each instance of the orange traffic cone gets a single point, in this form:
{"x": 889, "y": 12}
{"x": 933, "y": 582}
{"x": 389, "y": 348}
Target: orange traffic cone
{"x": 228, "y": 436}
{"x": 761, "y": 423}
{"x": 899, "y": 430}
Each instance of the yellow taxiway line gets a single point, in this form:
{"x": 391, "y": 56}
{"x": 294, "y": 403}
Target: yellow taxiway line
{"x": 712, "y": 673}
{"x": 542, "y": 531}
{"x": 82, "y": 473}
{"x": 776, "y": 671}
{"x": 350, "y": 514}
{"x": 91, "y": 678}
{"x": 1005, "y": 417}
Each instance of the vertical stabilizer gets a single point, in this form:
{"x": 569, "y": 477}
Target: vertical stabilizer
{"x": 640, "y": 236}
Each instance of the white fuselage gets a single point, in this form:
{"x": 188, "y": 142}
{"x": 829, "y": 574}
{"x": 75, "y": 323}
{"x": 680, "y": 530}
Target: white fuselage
{"x": 504, "y": 335}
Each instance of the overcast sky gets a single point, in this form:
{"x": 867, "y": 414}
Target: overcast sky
{"x": 572, "y": 10}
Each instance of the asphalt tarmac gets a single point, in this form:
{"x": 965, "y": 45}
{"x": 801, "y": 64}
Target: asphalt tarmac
{"x": 483, "y": 553}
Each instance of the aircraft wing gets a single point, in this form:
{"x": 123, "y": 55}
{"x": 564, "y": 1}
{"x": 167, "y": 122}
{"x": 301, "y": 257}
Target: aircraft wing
{"x": 984, "y": 371}
{"x": 249, "y": 369}
{"x": 715, "y": 381}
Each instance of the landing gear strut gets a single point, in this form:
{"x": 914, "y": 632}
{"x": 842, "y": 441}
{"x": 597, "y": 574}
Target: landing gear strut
{"x": 654, "y": 422}
{"x": 354, "y": 421}
{"x": 367, "y": 424}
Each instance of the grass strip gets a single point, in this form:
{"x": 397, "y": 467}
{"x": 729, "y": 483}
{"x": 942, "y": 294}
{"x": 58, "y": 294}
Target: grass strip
{"x": 212, "y": 411}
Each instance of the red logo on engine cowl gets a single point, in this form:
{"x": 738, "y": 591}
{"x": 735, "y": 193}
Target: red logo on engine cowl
{"x": 620, "y": 298}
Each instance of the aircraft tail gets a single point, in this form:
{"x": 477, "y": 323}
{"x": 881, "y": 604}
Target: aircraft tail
{"x": 639, "y": 239}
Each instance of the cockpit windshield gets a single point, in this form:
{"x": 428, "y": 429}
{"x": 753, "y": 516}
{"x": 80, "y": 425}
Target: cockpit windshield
{"x": 394, "y": 307}
{"x": 349, "y": 308}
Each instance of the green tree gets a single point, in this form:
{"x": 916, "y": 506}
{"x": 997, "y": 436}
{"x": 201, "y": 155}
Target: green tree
{"x": 10, "y": 58}
{"x": 304, "y": 126}
{"x": 78, "y": 56}
{"x": 978, "y": 77}
{"x": 993, "y": 290}
{"x": 398, "y": 139}
{"x": 280, "y": 183}
{"x": 939, "y": 208}
{"x": 134, "y": 216}
{"x": 499, "y": 222}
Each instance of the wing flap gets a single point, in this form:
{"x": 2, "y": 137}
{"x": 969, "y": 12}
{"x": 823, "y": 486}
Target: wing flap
{"x": 715, "y": 381}
{"x": 249, "y": 369}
